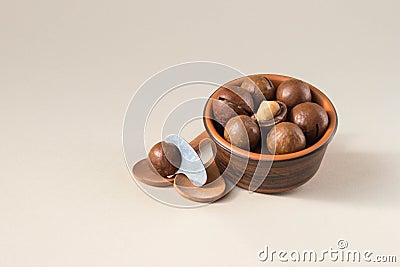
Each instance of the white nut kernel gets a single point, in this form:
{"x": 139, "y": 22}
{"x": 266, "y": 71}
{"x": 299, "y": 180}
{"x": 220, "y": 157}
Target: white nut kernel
{"x": 267, "y": 110}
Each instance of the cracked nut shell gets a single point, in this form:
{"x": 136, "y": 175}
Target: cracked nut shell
{"x": 230, "y": 102}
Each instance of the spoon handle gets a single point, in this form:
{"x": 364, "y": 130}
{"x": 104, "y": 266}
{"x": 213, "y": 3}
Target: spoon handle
{"x": 195, "y": 143}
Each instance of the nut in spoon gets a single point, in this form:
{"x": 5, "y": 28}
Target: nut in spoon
{"x": 191, "y": 164}
{"x": 213, "y": 189}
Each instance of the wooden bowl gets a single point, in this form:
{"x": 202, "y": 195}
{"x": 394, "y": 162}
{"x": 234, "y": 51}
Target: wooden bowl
{"x": 273, "y": 173}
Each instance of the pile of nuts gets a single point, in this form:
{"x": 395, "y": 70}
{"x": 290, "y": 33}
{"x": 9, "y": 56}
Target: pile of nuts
{"x": 255, "y": 115}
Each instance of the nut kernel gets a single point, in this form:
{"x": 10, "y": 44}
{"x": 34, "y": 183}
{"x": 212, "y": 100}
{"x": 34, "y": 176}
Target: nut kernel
{"x": 267, "y": 110}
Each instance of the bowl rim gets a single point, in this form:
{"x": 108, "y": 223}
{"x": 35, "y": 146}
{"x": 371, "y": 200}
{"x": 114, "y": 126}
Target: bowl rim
{"x": 323, "y": 141}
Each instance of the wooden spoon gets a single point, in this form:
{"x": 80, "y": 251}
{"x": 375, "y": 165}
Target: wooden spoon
{"x": 145, "y": 173}
{"x": 211, "y": 191}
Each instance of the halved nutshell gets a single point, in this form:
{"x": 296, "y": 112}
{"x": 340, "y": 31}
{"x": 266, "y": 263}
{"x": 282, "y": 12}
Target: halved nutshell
{"x": 270, "y": 113}
{"x": 231, "y": 101}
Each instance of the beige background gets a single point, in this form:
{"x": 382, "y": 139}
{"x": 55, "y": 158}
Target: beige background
{"x": 68, "y": 70}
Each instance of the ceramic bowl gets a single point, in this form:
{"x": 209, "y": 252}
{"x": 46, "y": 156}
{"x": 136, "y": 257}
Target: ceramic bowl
{"x": 273, "y": 173}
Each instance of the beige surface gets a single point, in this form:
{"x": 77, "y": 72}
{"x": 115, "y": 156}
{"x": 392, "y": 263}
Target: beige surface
{"x": 68, "y": 70}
